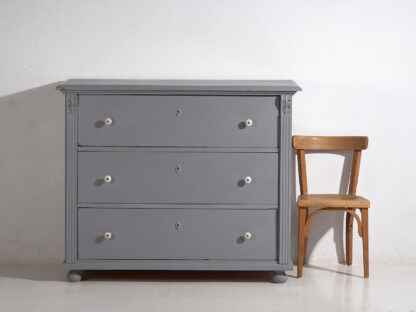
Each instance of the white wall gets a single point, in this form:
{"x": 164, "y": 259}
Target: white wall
{"x": 355, "y": 61}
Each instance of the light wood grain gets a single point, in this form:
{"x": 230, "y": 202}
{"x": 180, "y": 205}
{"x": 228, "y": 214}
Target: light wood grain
{"x": 303, "y": 179}
{"x": 355, "y": 169}
{"x": 301, "y": 240}
{"x": 364, "y": 219}
{"x": 332, "y": 201}
{"x": 330, "y": 142}
{"x": 347, "y": 203}
{"x": 349, "y": 226}
{"x": 349, "y": 221}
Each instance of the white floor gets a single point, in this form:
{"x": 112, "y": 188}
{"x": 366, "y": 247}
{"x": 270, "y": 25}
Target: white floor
{"x": 324, "y": 287}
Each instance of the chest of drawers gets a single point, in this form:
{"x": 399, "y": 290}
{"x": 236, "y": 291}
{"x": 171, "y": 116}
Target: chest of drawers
{"x": 178, "y": 175}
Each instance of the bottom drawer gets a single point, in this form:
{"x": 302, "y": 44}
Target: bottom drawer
{"x": 177, "y": 234}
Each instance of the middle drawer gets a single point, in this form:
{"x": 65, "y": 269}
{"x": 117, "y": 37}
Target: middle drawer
{"x": 178, "y": 177}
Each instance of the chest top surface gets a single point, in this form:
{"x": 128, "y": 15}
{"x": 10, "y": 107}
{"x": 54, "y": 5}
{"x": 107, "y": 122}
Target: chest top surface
{"x": 105, "y": 85}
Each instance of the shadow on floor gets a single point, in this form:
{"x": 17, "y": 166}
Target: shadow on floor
{"x": 338, "y": 271}
{"x": 180, "y": 276}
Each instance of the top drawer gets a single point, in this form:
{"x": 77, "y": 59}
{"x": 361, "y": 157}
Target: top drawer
{"x": 180, "y": 121}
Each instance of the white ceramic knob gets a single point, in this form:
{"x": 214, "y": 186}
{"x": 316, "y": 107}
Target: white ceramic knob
{"x": 108, "y": 121}
{"x": 107, "y": 179}
{"x": 247, "y": 180}
{"x": 107, "y": 235}
{"x": 247, "y": 235}
{"x": 249, "y": 122}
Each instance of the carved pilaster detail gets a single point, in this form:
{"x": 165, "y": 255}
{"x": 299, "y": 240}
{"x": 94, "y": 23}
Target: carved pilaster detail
{"x": 285, "y": 177}
{"x": 286, "y": 103}
{"x": 71, "y": 101}
{"x": 71, "y": 173}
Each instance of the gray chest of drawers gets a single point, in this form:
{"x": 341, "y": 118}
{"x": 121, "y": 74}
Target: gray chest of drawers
{"x": 178, "y": 175}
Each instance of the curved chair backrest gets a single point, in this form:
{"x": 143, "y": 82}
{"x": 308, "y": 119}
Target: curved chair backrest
{"x": 329, "y": 143}
{"x": 333, "y": 143}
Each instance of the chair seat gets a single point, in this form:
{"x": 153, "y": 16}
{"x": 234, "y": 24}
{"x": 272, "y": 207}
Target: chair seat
{"x": 332, "y": 201}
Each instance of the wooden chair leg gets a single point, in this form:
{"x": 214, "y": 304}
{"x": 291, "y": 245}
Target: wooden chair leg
{"x": 306, "y": 238}
{"x": 364, "y": 220}
{"x": 301, "y": 240}
{"x": 348, "y": 238}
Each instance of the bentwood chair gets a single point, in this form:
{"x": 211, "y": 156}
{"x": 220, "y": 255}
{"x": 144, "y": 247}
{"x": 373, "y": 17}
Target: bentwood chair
{"x": 332, "y": 202}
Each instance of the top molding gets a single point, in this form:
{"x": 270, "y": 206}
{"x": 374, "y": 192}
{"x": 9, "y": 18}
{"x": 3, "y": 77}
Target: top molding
{"x": 120, "y": 85}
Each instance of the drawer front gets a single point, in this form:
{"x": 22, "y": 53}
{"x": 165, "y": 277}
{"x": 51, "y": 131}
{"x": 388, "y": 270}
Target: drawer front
{"x": 195, "y": 121}
{"x": 156, "y": 177}
{"x": 176, "y": 234}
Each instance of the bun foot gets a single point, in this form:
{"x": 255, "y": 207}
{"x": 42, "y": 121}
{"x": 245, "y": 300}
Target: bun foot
{"x": 279, "y": 277}
{"x": 74, "y": 276}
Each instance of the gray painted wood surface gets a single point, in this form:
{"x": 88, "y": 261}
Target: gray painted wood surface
{"x": 177, "y": 177}
{"x": 71, "y": 177}
{"x": 270, "y": 143}
{"x": 193, "y": 121}
{"x": 182, "y": 206}
{"x": 182, "y": 265}
{"x": 285, "y": 177}
{"x": 123, "y": 85}
{"x": 177, "y": 234}
{"x": 178, "y": 149}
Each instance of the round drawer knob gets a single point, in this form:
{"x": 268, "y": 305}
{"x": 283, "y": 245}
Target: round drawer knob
{"x": 247, "y": 180}
{"x": 108, "y": 121}
{"x": 107, "y": 235}
{"x": 247, "y": 235}
{"x": 249, "y": 122}
{"x": 107, "y": 179}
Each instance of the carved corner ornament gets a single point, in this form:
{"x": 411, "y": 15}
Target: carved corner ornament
{"x": 286, "y": 103}
{"x": 71, "y": 102}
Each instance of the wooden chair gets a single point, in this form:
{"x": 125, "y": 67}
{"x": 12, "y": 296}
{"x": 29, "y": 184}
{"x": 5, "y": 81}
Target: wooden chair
{"x": 332, "y": 202}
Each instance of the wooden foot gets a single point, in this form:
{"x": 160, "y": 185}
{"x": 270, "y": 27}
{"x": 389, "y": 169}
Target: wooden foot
{"x": 74, "y": 276}
{"x": 279, "y": 277}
